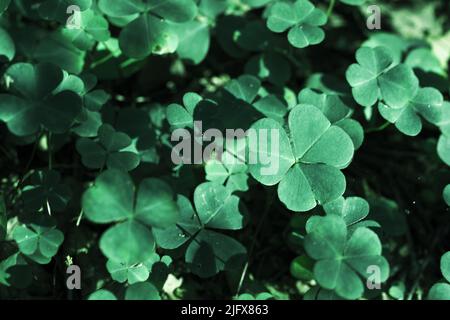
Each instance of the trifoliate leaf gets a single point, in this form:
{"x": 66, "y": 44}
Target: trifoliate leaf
{"x": 374, "y": 79}
{"x": 34, "y": 106}
{"x": 427, "y": 103}
{"x": 111, "y": 199}
{"x": 208, "y": 251}
{"x": 363, "y": 77}
{"x": 302, "y": 19}
{"x": 38, "y": 238}
{"x": 45, "y": 190}
{"x": 341, "y": 262}
{"x": 108, "y": 150}
{"x": 230, "y": 170}
{"x": 307, "y": 172}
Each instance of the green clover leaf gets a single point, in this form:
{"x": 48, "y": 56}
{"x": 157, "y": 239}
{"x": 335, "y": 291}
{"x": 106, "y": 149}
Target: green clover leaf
{"x": 45, "y": 190}
{"x": 38, "y": 239}
{"x": 137, "y": 272}
{"x": 230, "y": 169}
{"x": 309, "y": 158}
{"x": 108, "y": 150}
{"x": 233, "y": 176}
{"x": 34, "y": 105}
{"x": 341, "y": 261}
{"x": 147, "y": 33}
{"x": 113, "y": 199}
{"x": 90, "y": 120}
{"x": 302, "y": 19}
{"x": 427, "y": 103}
{"x": 375, "y": 78}
{"x": 208, "y": 251}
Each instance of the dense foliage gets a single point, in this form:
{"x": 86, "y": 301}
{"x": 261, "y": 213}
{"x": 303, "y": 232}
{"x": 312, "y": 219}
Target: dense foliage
{"x": 92, "y": 91}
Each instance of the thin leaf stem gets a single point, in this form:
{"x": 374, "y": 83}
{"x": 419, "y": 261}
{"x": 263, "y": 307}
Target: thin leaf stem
{"x": 80, "y": 216}
{"x": 331, "y": 7}
{"x": 380, "y": 128}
